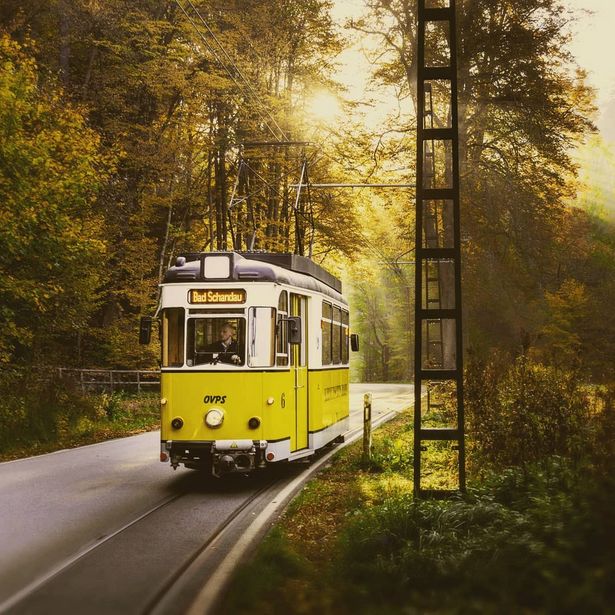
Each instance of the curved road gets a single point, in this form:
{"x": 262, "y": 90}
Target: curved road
{"x": 106, "y": 528}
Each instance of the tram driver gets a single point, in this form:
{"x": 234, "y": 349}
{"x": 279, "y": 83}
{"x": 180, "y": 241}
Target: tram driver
{"x": 225, "y": 349}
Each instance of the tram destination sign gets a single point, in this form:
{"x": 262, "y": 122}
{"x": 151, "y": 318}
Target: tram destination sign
{"x": 218, "y": 295}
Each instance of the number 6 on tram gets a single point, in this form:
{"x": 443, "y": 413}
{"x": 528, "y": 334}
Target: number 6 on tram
{"x": 255, "y": 353}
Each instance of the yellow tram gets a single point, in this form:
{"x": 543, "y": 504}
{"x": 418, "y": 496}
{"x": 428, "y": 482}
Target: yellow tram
{"x": 255, "y": 354}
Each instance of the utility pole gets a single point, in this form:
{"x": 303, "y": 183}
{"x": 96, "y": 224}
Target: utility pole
{"x": 438, "y": 351}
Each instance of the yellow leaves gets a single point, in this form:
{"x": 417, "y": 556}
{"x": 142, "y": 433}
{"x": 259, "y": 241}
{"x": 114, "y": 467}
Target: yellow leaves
{"x": 567, "y": 307}
{"x": 569, "y": 302}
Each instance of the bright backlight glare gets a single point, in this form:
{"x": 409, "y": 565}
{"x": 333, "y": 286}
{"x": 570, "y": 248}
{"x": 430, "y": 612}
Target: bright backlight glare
{"x": 323, "y": 106}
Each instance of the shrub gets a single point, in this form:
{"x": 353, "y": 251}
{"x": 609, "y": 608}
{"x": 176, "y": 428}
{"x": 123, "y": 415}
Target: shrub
{"x": 41, "y": 410}
{"x": 392, "y": 454}
{"x": 524, "y": 413}
{"x": 529, "y": 539}
{"x": 39, "y": 406}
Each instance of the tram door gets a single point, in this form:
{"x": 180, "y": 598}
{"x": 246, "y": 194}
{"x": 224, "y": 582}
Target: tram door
{"x": 298, "y": 358}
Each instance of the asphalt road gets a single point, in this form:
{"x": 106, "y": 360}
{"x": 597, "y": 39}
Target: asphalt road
{"x": 385, "y": 397}
{"x": 108, "y": 525}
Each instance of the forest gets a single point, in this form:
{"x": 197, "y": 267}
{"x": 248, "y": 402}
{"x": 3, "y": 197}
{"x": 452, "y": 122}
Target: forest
{"x": 133, "y": 131}
{"x": 136, "y": 130}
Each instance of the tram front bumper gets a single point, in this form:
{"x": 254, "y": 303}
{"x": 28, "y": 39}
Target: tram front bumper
{"x": 222, "y": 456}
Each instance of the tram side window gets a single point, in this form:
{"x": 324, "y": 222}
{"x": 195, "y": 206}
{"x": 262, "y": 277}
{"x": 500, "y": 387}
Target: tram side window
{"x": 334, "y": 325}
{"x": 336, "y": 342}
{"x": 344, "y": 340}
{"x": 282, "y": 334}
{"x": 173, "y": 337}
{"x": 325, "y": 325}
{"x": 261, "y": 337}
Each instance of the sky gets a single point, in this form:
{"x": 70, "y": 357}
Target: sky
{"x": 593, "y": 45}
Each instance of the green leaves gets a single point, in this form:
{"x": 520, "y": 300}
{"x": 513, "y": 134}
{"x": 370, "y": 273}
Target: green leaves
{"x": 524, "y": 413}
{"x": 52, "y": 247}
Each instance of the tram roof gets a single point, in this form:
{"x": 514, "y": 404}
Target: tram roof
{"x": 290, "y": 269}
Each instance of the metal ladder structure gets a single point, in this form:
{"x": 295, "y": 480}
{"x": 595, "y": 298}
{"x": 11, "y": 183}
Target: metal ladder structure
{"x": 438, "y": 336}
{"x": 432, "y": 228}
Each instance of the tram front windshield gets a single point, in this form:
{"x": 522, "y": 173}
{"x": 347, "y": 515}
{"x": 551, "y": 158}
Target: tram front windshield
{"x": 214, "y": 341}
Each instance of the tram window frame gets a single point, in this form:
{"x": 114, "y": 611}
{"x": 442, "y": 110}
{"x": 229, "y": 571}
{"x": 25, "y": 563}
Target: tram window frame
{"x": 282, "y": 353}
{"x": 173, "y": 330}
{"x": 345, "y": 337}
{"x": 334, "y": 325}
{"x": 254, "y": 331}
{"x": 326, "y": 326}
{"x": 215, "y": 324}
{"x": 336, "y": 335}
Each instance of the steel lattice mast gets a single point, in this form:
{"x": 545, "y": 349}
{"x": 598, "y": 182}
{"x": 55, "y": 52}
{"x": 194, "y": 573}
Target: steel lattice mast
{"x": 438, "y": 365}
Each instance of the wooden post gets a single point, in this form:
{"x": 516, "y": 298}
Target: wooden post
{"x": 367, "y": 427}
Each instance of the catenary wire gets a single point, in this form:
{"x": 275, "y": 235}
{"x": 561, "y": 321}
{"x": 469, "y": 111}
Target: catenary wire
{"x": 213, "y": 52}
{"x": 254, "y": 93}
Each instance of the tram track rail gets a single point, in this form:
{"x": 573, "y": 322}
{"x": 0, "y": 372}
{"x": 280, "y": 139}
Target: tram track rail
{"x": 212, "y": 591}
{"x": 249, "y": 532}
{"x": 178, "y": 555}
{"x": 37, "y": 596}
{"x": 65, "y": 564}
{"x": 183, "y": 572}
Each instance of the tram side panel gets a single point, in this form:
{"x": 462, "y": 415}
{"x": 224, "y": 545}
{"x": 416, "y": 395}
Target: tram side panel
{"x": 328, "y": 405}
{"x": 329, "y": 373}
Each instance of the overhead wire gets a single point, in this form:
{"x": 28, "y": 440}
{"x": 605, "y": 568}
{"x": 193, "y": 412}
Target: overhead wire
{"x": 322, "y": 151}
{"x": 275, "y": 189}
{"x": 239, "y": 72}
{"x": 252, "y": 91}
{"x": 246, "y": 81}
{"x": 254, "y": 95}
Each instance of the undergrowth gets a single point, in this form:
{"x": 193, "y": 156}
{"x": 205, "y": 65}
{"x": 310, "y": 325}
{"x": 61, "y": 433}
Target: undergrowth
{"x": 535, "y": 532}
{"x": 525, "y": 541}
{"x": 39, "y": 415}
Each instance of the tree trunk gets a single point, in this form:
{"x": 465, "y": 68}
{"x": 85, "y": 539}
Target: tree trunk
{"x": 64, "y": 26}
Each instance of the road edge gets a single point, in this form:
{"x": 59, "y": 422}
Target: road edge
{"x": 211, "y": 593}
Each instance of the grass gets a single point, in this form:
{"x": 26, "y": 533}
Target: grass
{"x": 287, "y": 572}
{"x": 70, "y": 420}
{"x": 533, "y": 539}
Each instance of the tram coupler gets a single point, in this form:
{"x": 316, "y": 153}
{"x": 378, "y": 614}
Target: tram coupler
{"x": 237, "y": 456}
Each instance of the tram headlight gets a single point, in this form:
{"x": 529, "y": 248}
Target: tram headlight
{"x": 214, "y": 418}
{"x": 254, "y": 422}
{"x": 177, "y": 422}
